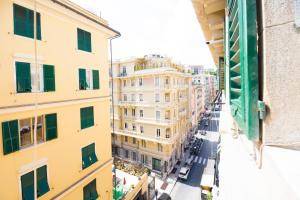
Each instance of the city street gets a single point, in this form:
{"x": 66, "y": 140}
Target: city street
{"x": 190, "y": 189}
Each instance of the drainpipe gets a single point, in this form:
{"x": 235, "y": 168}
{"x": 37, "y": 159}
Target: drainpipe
{"x": 112, "y": 102}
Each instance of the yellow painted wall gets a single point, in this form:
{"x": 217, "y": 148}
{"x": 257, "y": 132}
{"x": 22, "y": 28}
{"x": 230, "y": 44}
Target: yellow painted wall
{"x": 58, "y": 47}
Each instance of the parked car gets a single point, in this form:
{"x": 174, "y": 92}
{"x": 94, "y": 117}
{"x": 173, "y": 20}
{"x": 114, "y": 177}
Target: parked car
{"x": 184, "y": 173}
{"x": 164, "y": 196}
{"x": 190, "y": 161}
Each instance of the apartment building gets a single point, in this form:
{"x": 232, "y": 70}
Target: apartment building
{"x": 54, "y": 108}
{"x": 196, "y": 103}
{"x": 151, "y": 111}
{"x": 258, "y": 47}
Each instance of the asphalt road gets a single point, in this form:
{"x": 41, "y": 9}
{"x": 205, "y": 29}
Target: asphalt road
{"x": 190, "y": 189}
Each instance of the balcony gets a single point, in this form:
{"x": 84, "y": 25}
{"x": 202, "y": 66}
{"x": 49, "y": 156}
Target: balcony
{"x": 123, "y": 74}
{"x": 129, "y": 133}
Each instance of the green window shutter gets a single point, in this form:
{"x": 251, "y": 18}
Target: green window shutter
{"x": 87, "y": 117}
{"x": 84, "y": 40}
{"x": 243, "y": 65}
{"x": 88, "y": 155}
{"x": 42, "y": 181}
{"x": 23, "y": 77}
{"x": 82, "y": 79}
{"x": 49, "y": 78}
{"x": 80, "y": 39}
{"x": 27, "y": 185}
{"x": 90, "y": 191}
{"x": 38, "y": 26}
{"x": 24, "y": 23}
{"x": 87, "y": 41}
{"x": 51, "y": 126}
{"x": 96, "y": 80}
{"x": 10, "y": 136}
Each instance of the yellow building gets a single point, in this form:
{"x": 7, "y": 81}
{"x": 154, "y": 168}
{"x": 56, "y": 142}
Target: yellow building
{"x": 54, "y": 77}
{"x": 151, "y": 111}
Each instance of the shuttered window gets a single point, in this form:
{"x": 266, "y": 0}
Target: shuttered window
{"x": 27, "y": 183}
{"x": 24, "y": 23}
{"x": 42, "y": 181}
{"x": 88, "y": 155}
{"x": 27, "y": 186}
{"x": 84, "y": 40}
{"x": 87, "y": 117}
{"x": 10, "y": 136}
{"x": 82, "y": 79}
{"x": 90, "y": 191}
{"x": 51, "y": 126}
{"x": 23, "y": 77}
{"x": 96, "y": 84}
{"x": 243, "y": 64}
{"x": 49, "y": 78}
{"x": 156, "y": 164}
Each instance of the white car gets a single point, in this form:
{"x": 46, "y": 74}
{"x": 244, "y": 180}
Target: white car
{"x": 184, "y": 173}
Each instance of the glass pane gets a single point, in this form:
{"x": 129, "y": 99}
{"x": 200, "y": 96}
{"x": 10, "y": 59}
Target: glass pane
{"x": 25, "y": 132}
{"x": 39, "y": 130}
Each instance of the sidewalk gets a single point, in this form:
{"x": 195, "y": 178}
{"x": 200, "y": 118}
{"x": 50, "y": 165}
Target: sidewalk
{"x": 167, "y": 185}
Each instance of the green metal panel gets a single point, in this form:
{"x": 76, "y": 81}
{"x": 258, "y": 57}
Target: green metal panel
{"x": 87, "y": 117}
{"x": 51, "y": 126}
{"x": 10, "y": 136}
{"x": 90, "y": 191}
{"x": 49, "y": 78}
{"x": 27, "y": 185}
{"x": 96, "y": 80}
{"x": 23, "y": 77}
{"x": 82, "y": 79}
{"x": 243, "y": 65}
{"x": 24, "y": 23}
{"x": 42, "y": 181}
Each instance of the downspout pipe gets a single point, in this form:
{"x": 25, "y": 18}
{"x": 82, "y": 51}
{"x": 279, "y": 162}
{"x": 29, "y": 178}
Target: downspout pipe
{"x": 112, "y": 100}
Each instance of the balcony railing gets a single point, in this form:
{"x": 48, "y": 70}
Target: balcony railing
{"x": 154, "y": 138}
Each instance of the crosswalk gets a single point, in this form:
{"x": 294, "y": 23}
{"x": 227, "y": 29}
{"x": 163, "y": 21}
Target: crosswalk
{"x": 200, "y": 160}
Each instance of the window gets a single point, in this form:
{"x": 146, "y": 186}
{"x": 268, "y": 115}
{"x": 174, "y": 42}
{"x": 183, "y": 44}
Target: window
{"x": 158, "y": 132}
{"x": 27, "y": 183}
{"x": 141, "y": 129}
{"x": 140, "y": 81}
{"x": 126, "y": 154}
{"x": 243, "y": 66}
{"x": 133, "y": 140}
{"x": 84, "y": 40}
{"x": 125, "y": 111}
{"x": 126, "y": 139}
{"x": 30, "y": 79}
{"x": 86, "y": 117}
{"x": 133, "y": 112}
{"x": 24, "y": 22}
{"x": 141, "y": 113}
{"x": 132, "y": 83}
{"x": 159, "y": 147}
{"x": 157, "y": 115}
{"x": 167, "y": 81}
{"x": 144, "y": 143}
{"x": 90, "y": 191}
{"x": 88, "y": 155}
{"x": 125, "y": 125}
{"x": 125, "y": 97}
{"x": 156, "y": 81}
{"x": 19, "y": 133}
{"x": 124, "y": 83}
{"x": 89, "y": 79}
{"x": 141, "y": 97}
{"x": 134, "y": 156}
{"x": 156, "y": 164}
{"x": 156, "y": 97}
{"x": 133, "y": 97}
{"x": 133, "y": 127}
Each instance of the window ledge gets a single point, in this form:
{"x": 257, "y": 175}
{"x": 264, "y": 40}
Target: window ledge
{"x": 82, "y": 51}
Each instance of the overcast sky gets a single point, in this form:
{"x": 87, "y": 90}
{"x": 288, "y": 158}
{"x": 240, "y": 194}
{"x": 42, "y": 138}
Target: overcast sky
{"x": 168, "y": 27}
